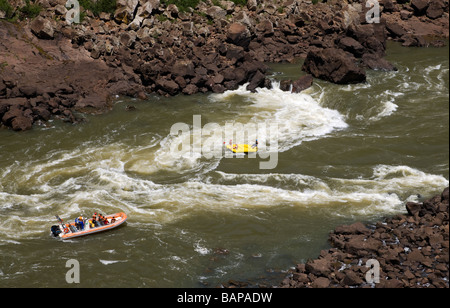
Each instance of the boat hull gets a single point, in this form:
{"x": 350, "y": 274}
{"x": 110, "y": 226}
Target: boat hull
{"x": 119, "y": 218}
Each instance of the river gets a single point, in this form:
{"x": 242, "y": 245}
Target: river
{"x": 198, "y": 217}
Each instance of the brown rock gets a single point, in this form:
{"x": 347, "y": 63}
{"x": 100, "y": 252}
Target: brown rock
{"x": 93, "y": 103}
{"x": 183, "y": 68}
{"x": 413, "y": 208}
{"x": 359, "y": 243}
{"x": 42, "y": 28}
{"x": 125, "y": 10}
{"x": 42, "y": 112}
{"x": 22, "y": 123}
{"x": 420, "y": 6}
{"x": 392, "y": 284}
{"x": 10, "y": 115}
{"x": 190, "y": 89}
{"x": 302, "y": 83}
{"x": 445, "y": 195}
{"x": 168, "y": 86}
{"x": 355, "y": 228}
{"x": 238, "y": 34}
{"x": 320, "y": 267}
{"x": 375, "y": 62}
{"x": 321, "y": 283}
{"x": 351, "y": 45}
{"x": 256, "y": 81}
{"x": 415, "y": 256}
{"x": 300, "y": 277}
{"x": 333, "y": 65}
{"x": 395, "y": 29}
{"x": 351, "y": 279}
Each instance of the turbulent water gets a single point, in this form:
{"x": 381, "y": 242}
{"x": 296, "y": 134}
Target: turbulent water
{"x": 198, "y": 217}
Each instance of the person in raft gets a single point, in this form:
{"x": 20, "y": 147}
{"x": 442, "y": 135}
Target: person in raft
{"x": 94, "y": 222}
{"x": 256, "y": 144}
{"x": 102, "y": 220}
{"x": 79, "y": 223}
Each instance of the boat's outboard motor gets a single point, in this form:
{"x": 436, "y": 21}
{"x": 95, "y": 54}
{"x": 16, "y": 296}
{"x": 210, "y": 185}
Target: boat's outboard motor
{"x": 55, "y": 230}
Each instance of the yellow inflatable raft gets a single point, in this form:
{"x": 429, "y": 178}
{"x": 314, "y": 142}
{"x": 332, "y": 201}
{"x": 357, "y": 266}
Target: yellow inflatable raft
{"x": 242, "y": 148}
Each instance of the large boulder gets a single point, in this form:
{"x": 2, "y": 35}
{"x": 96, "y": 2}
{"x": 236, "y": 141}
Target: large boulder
{"x": 302, "y": 83}
{"x": 143, "y": 11}
{"x": 334, "y": 65}
{"x": 435, "y": 9}
{"x": 420, "y": 6}
{"x": 319, "y": 267}
{"x": 125, "y": 10}
{"x": 42, "y": 28}
{"x": 168, "y": 86}
{"x": 376, "y": 62}
{"x": 18, "y": 119}
{"x": 183, "y": 68}
{"x": 371, "y": 36}
{"x": 238, "y": 34}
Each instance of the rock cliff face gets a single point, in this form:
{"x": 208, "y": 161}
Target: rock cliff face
{"x": 51, "y": 68}
{"x": 408, "y": 250}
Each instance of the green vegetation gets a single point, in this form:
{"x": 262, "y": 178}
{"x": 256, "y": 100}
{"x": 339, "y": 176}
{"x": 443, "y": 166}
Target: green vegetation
{"x": 6, "y": 8}
{"x": 240, "y": 2}
{"x": 3, "y": 65}
{"x": 30, "y": 10}
{"x": 182, "y": 5}
{"x": 106, "y": 6}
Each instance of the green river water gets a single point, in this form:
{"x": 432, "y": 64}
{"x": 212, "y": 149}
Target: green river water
{"x": 341, "y": 154}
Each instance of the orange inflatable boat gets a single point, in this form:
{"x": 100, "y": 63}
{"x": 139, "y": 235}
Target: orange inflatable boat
{"x": 68, "y": 231}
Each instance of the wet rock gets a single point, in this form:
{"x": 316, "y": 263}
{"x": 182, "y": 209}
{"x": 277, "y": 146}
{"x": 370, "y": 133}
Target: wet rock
{"x": 17, "y": 118}
{"x": 411, "y": 249}
{"x": 297, "y": 86}
{"x": 302, "y": 83}
{"x": 334, "y": 65}
{"x": 93, "y": 103}
{"x": 190, "y": 89}
{"x": 22, "y": 122}
{"x": 168, "y": 86}
{"x": 351, "y": 45}
{"x": 356, "y": 228}
{"x": 256, "y": 81}
{"x": 375, "y": 62}
{"x": 42, "y": 113}
{"x": 320, "y": 267}
{"x": 413, "y": 208}
{"x": 395, "y": 29}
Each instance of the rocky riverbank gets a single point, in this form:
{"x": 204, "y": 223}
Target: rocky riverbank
{"x": 49, "y": 68}
{"x": 411, "y": 250}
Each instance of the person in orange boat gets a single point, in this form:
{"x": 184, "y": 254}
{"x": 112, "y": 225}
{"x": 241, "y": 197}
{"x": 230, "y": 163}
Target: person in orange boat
{"x": 104, "y": 220}
{"x": 94, "y": 221}
{"x": 79, "y": 223}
